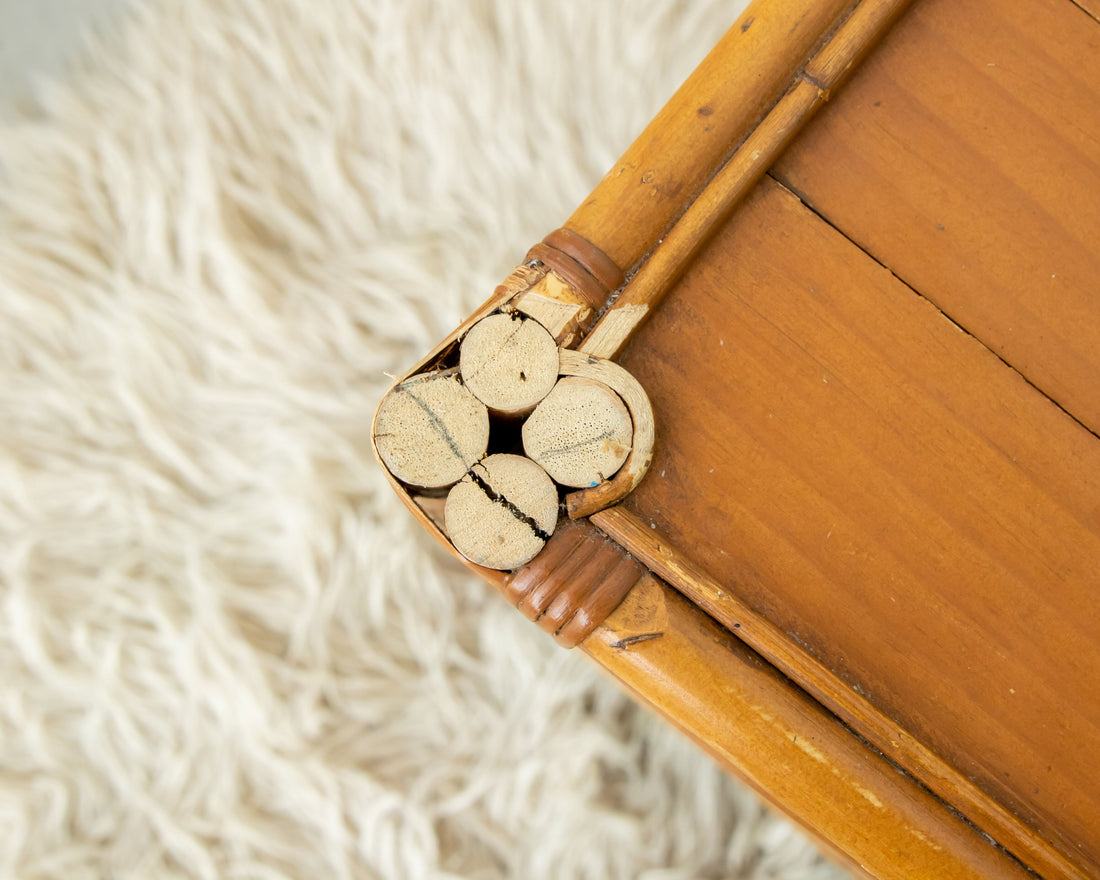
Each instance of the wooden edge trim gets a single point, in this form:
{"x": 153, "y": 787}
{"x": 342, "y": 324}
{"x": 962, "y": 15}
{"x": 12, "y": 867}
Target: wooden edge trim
{"x": 810, "y": 88}
{"x": 598, "y": 264}
{"x": 833, "y": 694}
{"x": 784, "y": 745}
{"x": 574, "y": 583}
{"x": 579, "y": 619}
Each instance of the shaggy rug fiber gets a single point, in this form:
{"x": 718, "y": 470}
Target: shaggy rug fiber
{"x": 226, "y": 649}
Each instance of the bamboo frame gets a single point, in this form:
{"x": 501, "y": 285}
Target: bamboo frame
{"x": 786, "y": 57}
{"x": 832, "y": 693}
{"x": 824, "y": 72}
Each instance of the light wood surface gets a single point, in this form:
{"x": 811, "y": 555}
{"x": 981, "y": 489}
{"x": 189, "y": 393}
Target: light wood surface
{"x": 584, "y": 502}
{"x": 552, "y": 303}
{"x": 509, "y": 363}
{"x": 884, "y": 490}
{"x": 965, "y": 155}
{"x": 502, "y": 512}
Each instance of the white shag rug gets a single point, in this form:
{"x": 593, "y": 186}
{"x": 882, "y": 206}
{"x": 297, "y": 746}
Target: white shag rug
{"x": 226, "y": 650}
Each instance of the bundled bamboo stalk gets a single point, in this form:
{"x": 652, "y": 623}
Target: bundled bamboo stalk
{"x": 580, "y": 433}
{"x": 430, "y": 430}
{"x": 502, "y": 512}
{"x": 509, "y": 363}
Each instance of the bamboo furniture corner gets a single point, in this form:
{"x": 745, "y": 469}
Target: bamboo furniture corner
{"x": 793, "y": 427}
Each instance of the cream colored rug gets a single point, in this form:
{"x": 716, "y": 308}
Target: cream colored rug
{"x": 226, "y": 649}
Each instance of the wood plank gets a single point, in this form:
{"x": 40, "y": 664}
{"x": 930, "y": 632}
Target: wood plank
{"x": 1092, "y": 7}
{"x": 965, "y": 156}
{"x": 886, "y": 492}
{"x": 650, "y": 548}
{"x": 880, "y": 822}
{"x": 823, "y": 72}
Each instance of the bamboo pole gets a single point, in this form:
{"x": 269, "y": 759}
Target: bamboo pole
{"x": 502, "y": 512}
{"x": 714, "y": 110}
{"x": 429, "y": 430}
{"x": 509, "y": 363}
{"x": 809, "y": 90}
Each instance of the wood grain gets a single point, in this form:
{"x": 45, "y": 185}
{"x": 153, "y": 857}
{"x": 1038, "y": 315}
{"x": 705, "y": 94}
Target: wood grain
{"x": 554, "y": 305}
{"x": 882, "y": 489}
{"x": 580, "y": 433}
{"x": 502, "y": 513}
{"x": 1090, "y": 7}
{"x": 429, "y": 429}
{"x": 509, "y": 363}
{"x": 965, "y": 156}
{"x": 782, "y": 744}
{"x": 584, "y": 502}
{"x": 809, "y": 89}
{"x": 662, "y": 171}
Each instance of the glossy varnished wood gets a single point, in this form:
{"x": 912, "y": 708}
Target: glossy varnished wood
{"x": 571, "y": 586}
{"x": 664, "y": 169}
{"x": 858, "y": 466}
{"x": 965, "y": 156}
{"x": 885, "y": 491}
{"x": 809, "y": 88}
{"x": 769, "y": 733}
{"x": 1090, "y": 7}
{"x": 832, "y": 692}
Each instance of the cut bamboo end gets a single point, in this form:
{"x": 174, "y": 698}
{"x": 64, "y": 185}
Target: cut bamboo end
{"x": 580, "y": 433}
{"x": 585, "y": 502}
{"x": 430, "y": 430}
{"x": 509, "y": 363}
{"x": 502, "y": 513}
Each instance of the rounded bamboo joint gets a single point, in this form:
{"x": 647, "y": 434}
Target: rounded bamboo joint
{"x": 585, "y": 502}
{"x": 430, "y": 430}
{"x": 502, "y": 513}
{"x": 580, "y": 433}
{"x": 509, "y": 363}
